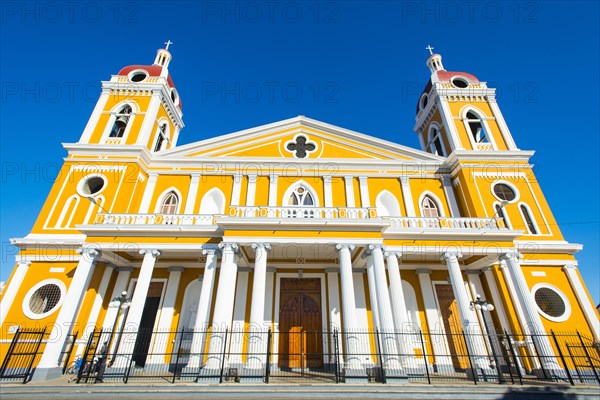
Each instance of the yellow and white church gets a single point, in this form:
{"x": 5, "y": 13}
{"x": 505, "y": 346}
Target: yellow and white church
{"x": 296, "y": 227}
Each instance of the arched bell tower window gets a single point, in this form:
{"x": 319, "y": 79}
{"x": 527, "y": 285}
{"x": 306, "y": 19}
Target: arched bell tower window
{"x": 169, "y": 204}
{"x": 121, "y": 121}
{"x": 301, "y": 197}
{"x": 528, "y": 218}
{"x": 429, "y": 208}
{"x": 476, "y": 128}
{"x": 435, "y": 142}
{"x": 162, "y": 136}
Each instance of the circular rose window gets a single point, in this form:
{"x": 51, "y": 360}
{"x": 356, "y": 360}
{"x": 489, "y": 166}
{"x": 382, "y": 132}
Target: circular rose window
{"x": 43, "y": 299}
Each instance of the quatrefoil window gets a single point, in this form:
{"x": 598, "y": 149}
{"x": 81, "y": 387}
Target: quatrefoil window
{"x": 301, "y": 147}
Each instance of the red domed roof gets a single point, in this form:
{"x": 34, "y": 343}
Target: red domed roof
{"x": 152, "y": 70}
{"x": 446, "y": 76}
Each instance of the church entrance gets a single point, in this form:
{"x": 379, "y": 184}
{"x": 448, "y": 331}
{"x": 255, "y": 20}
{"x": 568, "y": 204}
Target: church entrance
{"x": 144, "y": 337}
{"x": 300, "y": 323}
{"x": 452, "y": 326}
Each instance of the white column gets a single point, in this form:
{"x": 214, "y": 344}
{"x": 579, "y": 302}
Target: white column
{"x": 349, "y": 186}
{"x": 223, "y": 312}
{"x": 372, "y": 291}
{"x": 497, "y": 301}
{"x": 407, "y": 195}
{"x": 364, "y": 191}
{"x": 192, "y": 193}
{"x": 333, "y": 299}
{"x": 251, "y": 193}
{"x": 49, "y": 365}
{"x": 236, "y": 336}
{"x": 257, "y": 338}
{"x": 140, "y": 293}
{"x": 591, "y": 315}
{"x": 272, "y": 190}
{"x": 123, "y": 274}
{"x": 269, "y": 296}
{"x": 148, "y": 193}
{"x": 389, "y": 342}
{"x": 398, "y": 305}
{"x": 159, "y": 347}
{"x": 449, "y": 191}
{"x": 328, "y": 192}
{"x": 468, "y": 318}
{"x": 348, "y": 306}
{"x": 211, "y": 252}
{"x": 237, "y": 189}
{"x": 534, "y": 324}
{"x": 13, "y": 287}
{"x": 95, "y": 117}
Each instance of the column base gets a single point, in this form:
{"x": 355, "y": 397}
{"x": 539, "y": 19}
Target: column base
{"x": 46, "y": 373}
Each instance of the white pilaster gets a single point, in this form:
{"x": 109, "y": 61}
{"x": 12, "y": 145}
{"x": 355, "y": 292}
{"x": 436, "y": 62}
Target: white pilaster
{"x": 223, "y": 312}
{"x": 149, "y": 121}
{"x": 364, "y": 191}
{"x": 272, "y": 190}
{"x": 237, "y": 190}
{"x": 123, "y": 274}
{"x": 13, "y": 287}
{"x": 348, "y": 306}
{"x": 257, "y": 339}
{"x": 448, "y": 119}
{"x": 211, "y": 252}
{"x": 49, "y": 365}
{"x": 333, "y": 294}
{"x": 449, "y": 191}
{"x": 372, "y": 292}
{"x": 148, "y": 193}
{"x": 534, "y": 324}
{"x": 468, "y": 318}
{"x": 192, "y": 193}
{"x": 508, "y": 139}
{"x": 251, "y": 193}
{"x": 389, "y": 341}
{"x": 159, "y": 347}
{"x": 349, "y": 186}
{"x": 590, "y": 314}
{"x": 497, "y": 301}
{"x": 327, "y": 190}
{"x": 95, "y": 117}
{"x": 407, "y": 195}
{"x": 236, "y": 342}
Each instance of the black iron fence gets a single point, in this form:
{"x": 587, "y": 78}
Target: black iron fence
{"x": 336, "y": 356}
{"x": 22, "y": 355}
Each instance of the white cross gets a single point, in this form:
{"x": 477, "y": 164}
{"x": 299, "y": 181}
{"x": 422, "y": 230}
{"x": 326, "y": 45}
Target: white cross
{"x": 168, "y": 43}
{"x": 430, "y": 49}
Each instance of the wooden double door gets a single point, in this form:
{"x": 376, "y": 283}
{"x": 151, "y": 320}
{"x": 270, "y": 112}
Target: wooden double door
{"x": 300, "y": 323}
{"x": 452, "y": 326}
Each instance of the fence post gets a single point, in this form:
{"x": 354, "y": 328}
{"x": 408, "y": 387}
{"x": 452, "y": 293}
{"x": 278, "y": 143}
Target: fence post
{"x": 562, "y": 358}
{"x": 574, "y": 362}
{"x": 588, "y": 356}
{"x": 335, "y": 356}
{"x": 424, "y": 356}
{"x": 223, "y": 359}
{"x": 537, "y": 353}
{"x": 469, "y": 357}
{"x": 178, "y": 353}
{"x": 379, "y": 356}
{"x": 514, "y": 356}
{"x": 268, "y": 364}
{"x": 10, "y": 351}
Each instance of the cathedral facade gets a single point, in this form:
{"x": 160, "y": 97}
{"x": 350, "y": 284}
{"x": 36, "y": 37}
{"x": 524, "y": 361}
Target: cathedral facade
{"x": 295, "y": 226}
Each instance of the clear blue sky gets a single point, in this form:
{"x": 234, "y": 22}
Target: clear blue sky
{"x": 357, "y": 64}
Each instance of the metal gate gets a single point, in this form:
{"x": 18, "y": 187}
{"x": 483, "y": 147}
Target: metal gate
{"x": 22, "y": 354}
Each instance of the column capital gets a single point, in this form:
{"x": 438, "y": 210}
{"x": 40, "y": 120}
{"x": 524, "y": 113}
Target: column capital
{"x": 403, "y": 179}
{"x": 266, "y": 246}
{"x": 196, "y": 176}
{"x": 473, "y": 272}
{"x": 212, "y": 249}
{"x": 327, "y": 178}
{"x": 373, "y": 247}
{"x": 451, "y": 254}
{"x": 233, "y": 247}
{"x": 252, "y": 177}
{"x": 124, "y": 269}
{"x": 513, "y": 254}
{"x": 175, "y": 269}
{"x": 572, "y": 267}
{"x": 486, "y": 269}
{"x": 341, "y": 246}
{"x": 89, "y": 252}
{"x": 153, "y": 252}
{"x": 332, "y": 270}
{"x": 391, "y": 253}
{"x": 273, "y": 177}
{"x": 423, "y": 271}
{"x": 26, "y": 262}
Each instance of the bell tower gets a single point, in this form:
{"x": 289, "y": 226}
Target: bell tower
{"x": 138, "y": 106}
{"x": 456, "y": 111}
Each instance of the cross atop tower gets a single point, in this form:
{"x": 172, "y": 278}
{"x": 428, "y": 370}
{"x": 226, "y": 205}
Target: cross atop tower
{"x": 430, "y": 49}
{"x": 168, "y": 43}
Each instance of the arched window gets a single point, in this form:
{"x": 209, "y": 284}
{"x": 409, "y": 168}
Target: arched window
{"x": 387, "y": 205}
{"x": 435, "y": 142}
{"x": 429, "y": 207}
{"x": 500, "y": 213}
{"x": 213, "y": 202}
{"x": 475, "y": 125}
{"x": 528, "y": 220}
{"x": 169, "y": 204}
{"x": 301, "y": 197}
{"x": 162, "y": 136}
{"x": 121, "y": 122}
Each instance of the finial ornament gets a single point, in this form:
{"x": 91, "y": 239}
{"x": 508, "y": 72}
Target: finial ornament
{"x": 430, "y": 49}
{"x": 168, "y": 43}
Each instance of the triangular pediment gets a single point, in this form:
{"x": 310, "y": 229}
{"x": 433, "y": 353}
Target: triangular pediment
{"x": 300, "y": 138}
